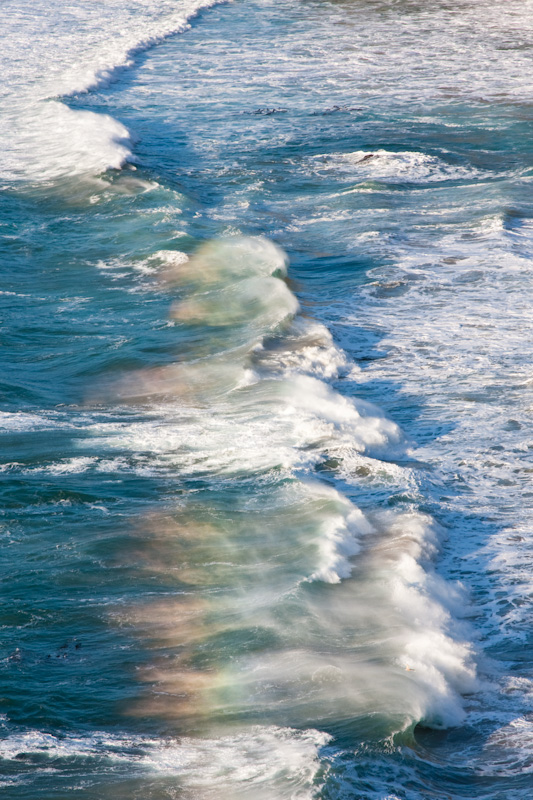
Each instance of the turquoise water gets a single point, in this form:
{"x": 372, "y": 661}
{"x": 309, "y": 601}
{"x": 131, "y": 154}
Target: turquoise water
{"x": 266, "y": 462}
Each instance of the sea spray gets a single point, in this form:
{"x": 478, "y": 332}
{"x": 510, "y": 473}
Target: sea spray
{"x": 252, "y": 572}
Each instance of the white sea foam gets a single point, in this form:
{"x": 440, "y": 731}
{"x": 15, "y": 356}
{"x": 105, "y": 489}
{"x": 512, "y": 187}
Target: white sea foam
{"x": 343, "y": 420}
{"x": 50, "y": 746}
{"x": 172, "y": 258}
{"x": 389, "y": 167}
{"x": 68, "y": 466}
{"x": 307, "y": 348}
{"x": 20, "y": 421}
{"x": 460, "y": 324}
{"x": 261, "y": 424}
{"x": 510, "y": 749}
{"x": 437, "y": 646}
{"x": 338, "y": 542}
{"x": 266, "y": 762}
{"x": 58, "y": 141}
{"x": 59, "y": 49}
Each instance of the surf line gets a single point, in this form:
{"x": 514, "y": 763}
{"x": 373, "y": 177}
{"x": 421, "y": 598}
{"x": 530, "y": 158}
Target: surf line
{"x": 290, "y": 606}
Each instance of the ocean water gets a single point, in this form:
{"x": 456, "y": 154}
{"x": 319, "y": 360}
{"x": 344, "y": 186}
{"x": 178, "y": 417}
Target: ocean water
{"x": 266, "y": 461}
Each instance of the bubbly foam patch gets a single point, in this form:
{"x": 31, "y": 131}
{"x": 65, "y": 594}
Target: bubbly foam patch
{"x": 388, "y": 166}
{"x": 268, "y": 762}
{"x": 20, "y": 421}
{"x": 511, "y": 749}
{"x": 460, "y": 323}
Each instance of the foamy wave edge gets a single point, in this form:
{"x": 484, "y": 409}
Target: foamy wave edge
{"x": 45, "y": 140}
